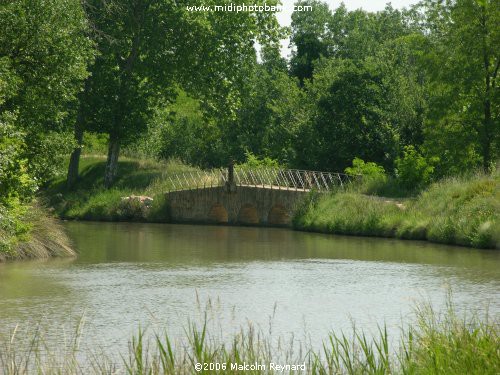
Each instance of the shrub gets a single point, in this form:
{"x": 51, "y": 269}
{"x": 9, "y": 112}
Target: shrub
{"x": 15, "y": 182}
{"x": 373, "y": 175}
{"x": 253, "y": 162}
{"x": 413, "y": 171}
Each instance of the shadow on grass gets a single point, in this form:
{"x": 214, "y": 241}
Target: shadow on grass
{"x": 90, "y": 200}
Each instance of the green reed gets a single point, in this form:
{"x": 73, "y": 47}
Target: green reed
{"x": 436, "y": 343}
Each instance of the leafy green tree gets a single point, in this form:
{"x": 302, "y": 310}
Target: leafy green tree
{"x": 147, "y": 47}
{"x": 463, "y": 63}
{"x": 43, "y": 59}
{"x": 181, "y": 131}
{"x": 366, "y": 169}
{"x": 400, "y": 64}
{"x": 254, "y": 162}
{"x": 309, "y": 37}
{"x": 373, "y": 176}
{"x": 371, "y": 113}
{"x": 350, "y": 120}
{"x": 266, "y": 122}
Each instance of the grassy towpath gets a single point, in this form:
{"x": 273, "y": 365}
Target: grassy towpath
{"x": 460, "y": 211}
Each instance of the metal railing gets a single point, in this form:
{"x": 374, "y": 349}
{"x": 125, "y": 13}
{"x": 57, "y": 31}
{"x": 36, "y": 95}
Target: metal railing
{"x": 270, "y": 178}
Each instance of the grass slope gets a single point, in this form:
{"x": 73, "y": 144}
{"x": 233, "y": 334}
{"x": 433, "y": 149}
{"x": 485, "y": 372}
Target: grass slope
{"x": 461, "y": 211}
{"x": 89, "y": 200}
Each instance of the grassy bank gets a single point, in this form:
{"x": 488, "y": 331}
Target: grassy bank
{"x": 30, "y": 231}
{"x": 434, "y": 344}
{"x": 461, "y": 211}
{"x": 89, "y": 200}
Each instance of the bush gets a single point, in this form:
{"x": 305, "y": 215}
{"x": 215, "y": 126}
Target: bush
{"x": 15, "y": 182}
{"x": 253, "y": 162}
{"x": 13, "y": 227}
{"x": 413, "y": 171}
{"x": 373, "y": 175}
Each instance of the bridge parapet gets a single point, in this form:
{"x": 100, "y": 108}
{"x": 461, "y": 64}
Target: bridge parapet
{"x": 268, "y": 178}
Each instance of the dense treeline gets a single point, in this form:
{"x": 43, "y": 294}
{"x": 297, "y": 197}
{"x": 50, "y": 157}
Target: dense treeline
{"x": 44, "y": 59}
{"x": 377, "y": 86}
{"x": 415, "y": 90}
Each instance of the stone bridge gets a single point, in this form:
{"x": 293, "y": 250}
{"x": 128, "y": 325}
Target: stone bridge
{"x": 247, "y": 205}
{"x": 244, "y": 196}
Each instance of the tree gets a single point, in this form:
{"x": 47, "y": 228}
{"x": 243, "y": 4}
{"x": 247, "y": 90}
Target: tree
{"x": 15, "y": 183}
{"x": 146, "y": 48}
{"x": 366, "y": 96}
{"x": 267, "y": 120}
{"x": 463, "y": 64}
{"x": 309, "y": 37}
{"x": 400, "y": 64}
{"x": 351, "y": 120}
{"x": 413, "y": 170}
{"x": 43, "y": 59}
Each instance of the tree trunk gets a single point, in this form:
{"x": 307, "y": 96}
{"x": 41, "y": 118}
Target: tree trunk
{"x": 486, "y": 141}
{"x": 74, "y": 161}
{"x": 112, "y": 161}
{"x": 486, "y": 131}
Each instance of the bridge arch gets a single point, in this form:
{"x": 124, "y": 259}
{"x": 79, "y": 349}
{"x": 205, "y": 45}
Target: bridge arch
{"x": 278, "y": 215}
{"x": 248, "y": 214}
{"x": 218, "y": 214}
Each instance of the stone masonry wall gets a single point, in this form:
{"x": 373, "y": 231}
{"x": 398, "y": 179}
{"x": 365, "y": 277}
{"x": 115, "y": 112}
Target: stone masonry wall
{"x": 246, "y": 205}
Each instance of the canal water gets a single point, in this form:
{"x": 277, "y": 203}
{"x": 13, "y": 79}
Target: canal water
{"x": 287, "y": 283}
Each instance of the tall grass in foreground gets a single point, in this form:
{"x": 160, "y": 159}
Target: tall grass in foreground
{"x": 461, "y": 211}
{"x": 435, "y": 344}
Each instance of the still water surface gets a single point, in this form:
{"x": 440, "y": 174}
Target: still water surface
{"x": 303, "y": 284}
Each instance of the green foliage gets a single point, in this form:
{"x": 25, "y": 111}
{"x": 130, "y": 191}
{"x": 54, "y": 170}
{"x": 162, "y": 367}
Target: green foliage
{"x": 266, "y": 125}
{"x": 367, "y": 170}
{"x": 413, "y": 171}
{"x": 28, "y": 231}
{"x": 13, "y": 227}
{"x": 308, "y": 36}
{"x": 25, "y": 230}
{"x": 44, "y": 55}
{"x": 373, "y": 176}
{"x": 15, "y": 182}
{"x": 19, "y": 214}
{"x": 350, "y": 120}
{"x": 47, "y": 153}
{"x": 269, "y": 117}
{"x": 96, "y": 144}
{"x": 141, "y": 63}
{"x": 461, "y": 61}
{"x": 254, "y": 162}
{"x": 180, "y": 131}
